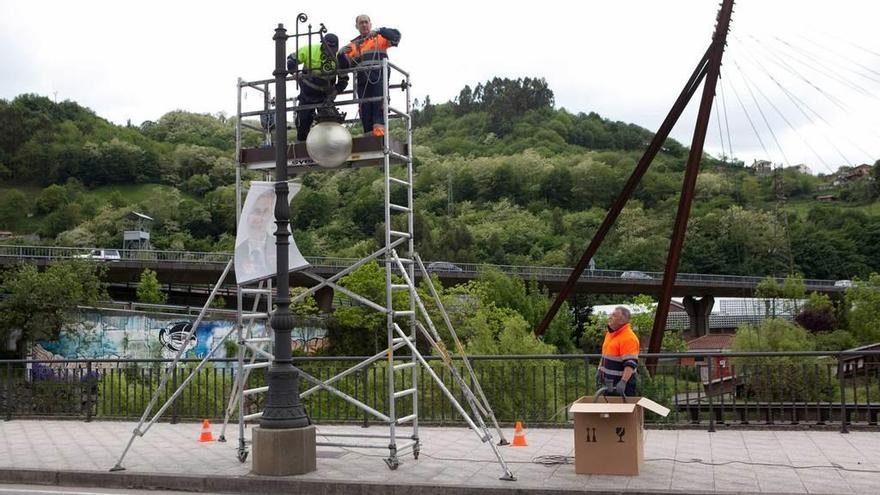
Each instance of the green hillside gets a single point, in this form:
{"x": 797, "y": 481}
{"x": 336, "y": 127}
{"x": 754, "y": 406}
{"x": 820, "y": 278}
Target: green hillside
{"x": 502, "y": 176}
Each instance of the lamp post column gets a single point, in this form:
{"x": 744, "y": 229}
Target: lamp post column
{"x": 284, "y": 443}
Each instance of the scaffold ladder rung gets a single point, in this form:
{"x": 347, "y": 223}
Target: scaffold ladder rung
{"x": 256, "y": 291}
{"x": 395, "y": 180}
{"x": 404, "y": 393}
{"x": 252, "y": 391}
{"x": 403, "y": 366}
{"x": 406, "y": 419}
{"x": 254, "y": 366}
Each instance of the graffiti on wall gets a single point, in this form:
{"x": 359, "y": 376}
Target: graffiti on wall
{"x": 116, "y": 335}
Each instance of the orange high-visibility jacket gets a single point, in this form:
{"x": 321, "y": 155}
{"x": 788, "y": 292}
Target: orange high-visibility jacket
{"x": 619, "y": 350}
{"x": 371, "y": 49}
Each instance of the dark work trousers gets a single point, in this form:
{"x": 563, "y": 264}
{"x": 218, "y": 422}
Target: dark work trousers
{"x": 305, "y": 118}
{"x": 369, "y": 85}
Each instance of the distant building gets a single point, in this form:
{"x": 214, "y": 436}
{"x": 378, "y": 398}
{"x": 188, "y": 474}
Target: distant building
{"x": 803, "y": 169}
{"x": 762, "y": 168}
{"x": 826, "y": 198}
{"x": 860, "y": 364}
{"x": 721, "y": 380}
{"x": 851, "y": 174}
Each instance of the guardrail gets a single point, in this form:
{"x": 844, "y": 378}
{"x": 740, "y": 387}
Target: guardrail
{"x": 465, "y": 270}
{"x": 702, "y": 389}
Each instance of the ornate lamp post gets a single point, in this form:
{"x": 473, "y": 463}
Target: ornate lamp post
{"x": 284, "y": 443}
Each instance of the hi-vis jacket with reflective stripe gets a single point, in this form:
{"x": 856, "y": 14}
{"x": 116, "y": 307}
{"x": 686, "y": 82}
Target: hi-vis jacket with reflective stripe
{"x": 310, "y": 57}
{"x": 371, "y": 49}
{"x": 619, "y": 350}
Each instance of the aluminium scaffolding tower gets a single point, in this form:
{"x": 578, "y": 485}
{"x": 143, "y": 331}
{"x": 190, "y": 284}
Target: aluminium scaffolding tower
{"x": 253, "y": 339}
{"x": 403, "y": 326}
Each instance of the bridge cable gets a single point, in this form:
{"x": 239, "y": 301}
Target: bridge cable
{"x": 784, "y": 118}
{"x": 817, "y": 65}
{"x": 749, "y": 118}
{"x": 737, "y": 246}
{"x": 870, "y": 130}
{"x": 782, "y": 63}
{"x": 800, "y": 105}
{"x": 844, "y": 57}
{"x": 860, "y": 47}
{"x": 726, "y": 121}
{"x": 764, "y": 118}
{"x": 720, "y": 133}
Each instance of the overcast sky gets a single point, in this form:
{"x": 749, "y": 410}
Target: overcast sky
{"x": 625, "y": 59}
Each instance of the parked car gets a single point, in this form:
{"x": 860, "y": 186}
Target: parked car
{"x": 443, "y": 266}
{"x": 101, "y": 254}
{"x": 636, "y": 275}
{"x": 844, "y": 283}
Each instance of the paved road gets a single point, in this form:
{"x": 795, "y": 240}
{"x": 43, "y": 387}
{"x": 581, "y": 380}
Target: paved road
{"x": 453, "y": 461}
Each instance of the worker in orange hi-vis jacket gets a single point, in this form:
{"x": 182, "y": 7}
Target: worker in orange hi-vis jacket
{"x": 620, "y": 355}
{"x": 370, "y": 48}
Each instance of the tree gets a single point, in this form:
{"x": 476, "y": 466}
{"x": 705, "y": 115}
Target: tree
{"x": 39, "y": 304}
{"x": 863, "y": 302}
{"x": 148, "y": 289}
{"x": 11, "y": 206}
{"x": 779, "y": 378}
{"x": 305, "y": 307}
{"x": 818, "y": 314}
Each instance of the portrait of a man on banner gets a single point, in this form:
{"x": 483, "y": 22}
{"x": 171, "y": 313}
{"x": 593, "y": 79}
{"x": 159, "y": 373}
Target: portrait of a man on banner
{"x": 255, "y": 257}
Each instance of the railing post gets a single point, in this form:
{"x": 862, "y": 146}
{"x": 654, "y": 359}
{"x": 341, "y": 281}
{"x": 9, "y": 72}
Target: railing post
{"x": 9, "y": 391}
{"x": 174, "y": 387}
{"x": 88, "y": 383}
{"x": 709, "y": 394}
{"x": 364, "y": 398}
{"x": 842, "y": 384}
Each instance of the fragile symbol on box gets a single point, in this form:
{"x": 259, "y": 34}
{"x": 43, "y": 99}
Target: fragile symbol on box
{"x": 621, "y": 431}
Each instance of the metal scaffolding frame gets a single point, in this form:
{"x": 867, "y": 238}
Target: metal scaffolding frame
{"x": 396, "y": 268}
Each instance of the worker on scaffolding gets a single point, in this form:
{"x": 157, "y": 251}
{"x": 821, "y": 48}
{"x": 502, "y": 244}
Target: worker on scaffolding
{"x": 370, "y": 48}
{"x": 319, "y": 81}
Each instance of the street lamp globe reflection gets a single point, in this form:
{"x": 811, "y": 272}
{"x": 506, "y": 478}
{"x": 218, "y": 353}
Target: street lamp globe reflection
{"x": 329, "y": 144}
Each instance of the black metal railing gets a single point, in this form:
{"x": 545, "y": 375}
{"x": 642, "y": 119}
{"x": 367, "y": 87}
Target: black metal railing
{"x": 705, "y": 389}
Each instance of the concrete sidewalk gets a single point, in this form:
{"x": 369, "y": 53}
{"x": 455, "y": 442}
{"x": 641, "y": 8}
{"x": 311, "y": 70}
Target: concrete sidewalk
{"x": 453, "y": 461}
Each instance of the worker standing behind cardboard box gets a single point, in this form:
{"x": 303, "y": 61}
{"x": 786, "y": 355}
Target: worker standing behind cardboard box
{"x": 608, "y": 431}
{"x": 620, "y": 355}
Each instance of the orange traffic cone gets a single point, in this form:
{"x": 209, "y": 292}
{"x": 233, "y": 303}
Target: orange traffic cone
{"x": 206, "y": 435}
{"x": 519, "y": 436}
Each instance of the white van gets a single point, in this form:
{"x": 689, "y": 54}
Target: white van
{"x": 101, "y": 254}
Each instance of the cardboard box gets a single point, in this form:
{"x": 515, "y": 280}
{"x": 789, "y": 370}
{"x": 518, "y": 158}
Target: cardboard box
{"x": 608, "y": 434}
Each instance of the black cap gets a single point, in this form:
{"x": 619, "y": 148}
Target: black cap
{"x": 331, "y": 39}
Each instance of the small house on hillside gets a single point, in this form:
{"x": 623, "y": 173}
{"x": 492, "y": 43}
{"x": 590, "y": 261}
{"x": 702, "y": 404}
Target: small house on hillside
{"x": 762, "y": 168}
{"x": 847, "y": 174}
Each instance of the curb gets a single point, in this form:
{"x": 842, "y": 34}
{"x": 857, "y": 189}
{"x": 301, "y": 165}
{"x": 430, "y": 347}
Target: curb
{"x": 287, "y": 485}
